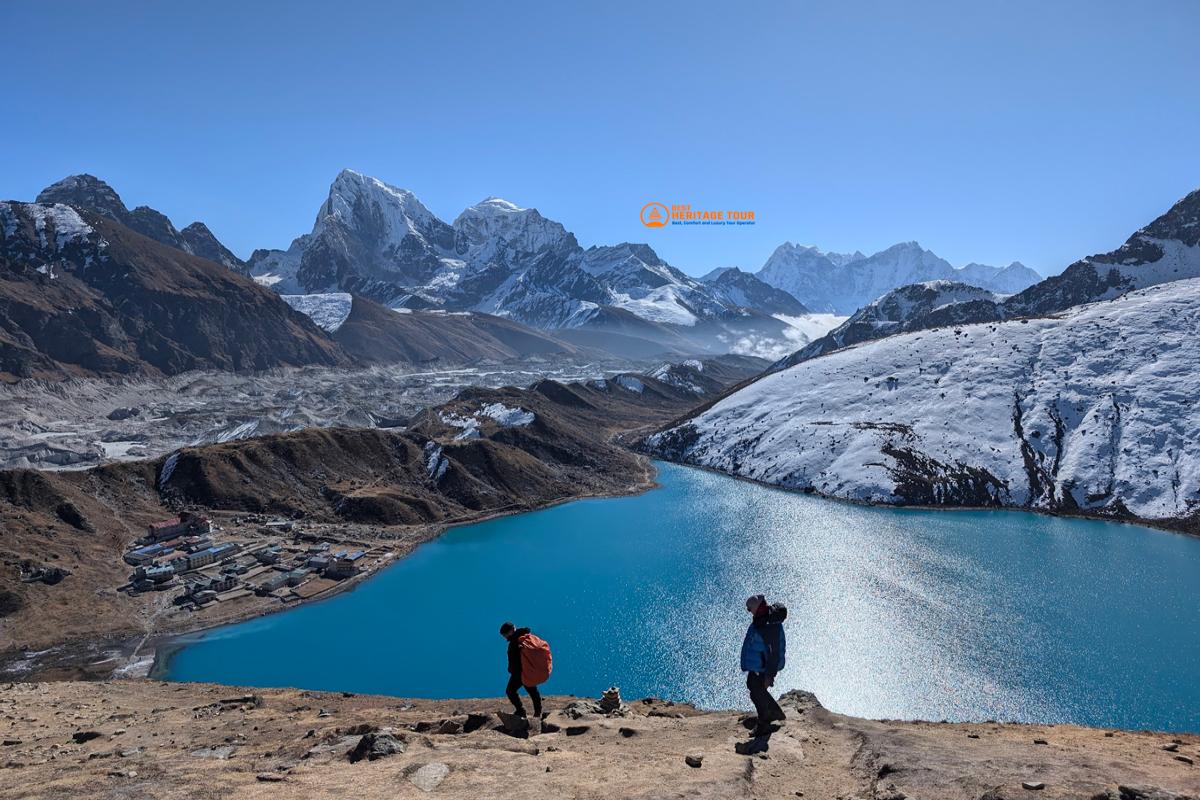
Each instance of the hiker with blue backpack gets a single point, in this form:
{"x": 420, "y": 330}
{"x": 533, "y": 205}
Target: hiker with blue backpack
{"x": 763, "y": 652}
{"x": 529, "y": 664}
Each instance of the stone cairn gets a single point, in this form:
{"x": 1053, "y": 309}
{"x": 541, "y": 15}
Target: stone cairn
{"x": 610, "y": 701}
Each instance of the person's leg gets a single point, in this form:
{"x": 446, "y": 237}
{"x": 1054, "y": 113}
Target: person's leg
{"x": 754, "y": 682}
{"x": 514, "y": 685}
{"x": 774, "y": 711}
{"x": 536, "y": 697}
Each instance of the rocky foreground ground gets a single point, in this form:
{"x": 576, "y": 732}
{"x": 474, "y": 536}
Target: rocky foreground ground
{"x": 158, "y": 740}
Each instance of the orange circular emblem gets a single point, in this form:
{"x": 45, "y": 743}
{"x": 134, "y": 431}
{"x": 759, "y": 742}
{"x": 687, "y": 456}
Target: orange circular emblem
{"x": 655, "y": 215}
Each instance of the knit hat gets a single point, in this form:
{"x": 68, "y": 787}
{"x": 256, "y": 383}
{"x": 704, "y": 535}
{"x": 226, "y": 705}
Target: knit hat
{"x": 757, "y": 604}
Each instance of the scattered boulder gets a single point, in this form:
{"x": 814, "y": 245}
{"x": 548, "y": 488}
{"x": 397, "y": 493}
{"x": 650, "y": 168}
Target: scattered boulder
{"x": 1033, "y": 786}
{"x": 580, "y": 708}
{"x": 628, "y": 732}
{"x": 1185, "y": 759}
{"x": 452, "y": 726}
{"x": 427, "y": 777}
{"x": 373, "y": 746}
{"x": 474, "y": 722}
{"x": 1141, "y": 792}
{"x": 694, "y": 760}
{"x": 577, "y": 730}
{"x": 220, "y": 753}
{"x": 336, "y": 747}
{"x": 513, "y": 724}
{"x": 79, "y": 737}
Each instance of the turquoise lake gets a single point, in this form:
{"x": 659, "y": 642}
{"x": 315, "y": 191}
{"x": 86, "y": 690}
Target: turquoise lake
{"x": 894, "y": 613}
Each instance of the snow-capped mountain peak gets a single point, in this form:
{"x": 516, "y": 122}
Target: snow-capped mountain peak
{"x": 498, "y": 227}
{"x": 359, "y": 201}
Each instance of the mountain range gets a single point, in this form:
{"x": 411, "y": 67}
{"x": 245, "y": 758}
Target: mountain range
{"x": 1165, "y": 250}
{"x": 842, "y": 283}
{"x": 496, "y": 257}
{"x": 1074, "y": 395}
{"x": 380, "y": 242}
{"x": 88, "y": 191}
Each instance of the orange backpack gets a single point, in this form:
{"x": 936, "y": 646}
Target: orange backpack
{"x": 536, "y": 661}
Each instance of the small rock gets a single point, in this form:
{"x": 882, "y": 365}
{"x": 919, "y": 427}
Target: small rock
{"x": 972, "y": 735}
{"x": 79, "y": 737}
{"x": 694, "y": 760}
{"x": 220, "y": 753}
{"x": 1171, "y": 748}
{"x": 513, "y": 725}
{"x": 1040, "y": 741}
{"x": 1108, "y": 734}
{"x": 1033, "y": 786}
{"x": 452, "y": 726}
{"x": 628, "y": 732}
{"x": 428, "y": 776}
{"x": 579, "y": 708}
{"x": 1141, "y": 792}
{"x": 1184, "y": 759}
{"x": 373, "y": 746}
{"x": 11, "y": 742}
{"x": 476, "y": 721}
{"x": 270, "y": 777}
{"x": 578, "y": 730}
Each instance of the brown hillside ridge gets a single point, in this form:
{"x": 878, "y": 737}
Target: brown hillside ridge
{"x": 381, "y": 491}
{"x": 108, "y": 300}
{"x": 149, "y": 739}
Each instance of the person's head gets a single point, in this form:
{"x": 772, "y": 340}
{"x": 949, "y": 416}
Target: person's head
{"x": 506, "y": 630}
{"x": 755, "y": 604}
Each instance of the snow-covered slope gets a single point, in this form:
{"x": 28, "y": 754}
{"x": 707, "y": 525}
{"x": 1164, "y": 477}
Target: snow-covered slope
{"x": 1092, "y": 411}
{"x": 329, "y": 311}
{"x": 842, "y": 283}
{"x": 922, "y": 304}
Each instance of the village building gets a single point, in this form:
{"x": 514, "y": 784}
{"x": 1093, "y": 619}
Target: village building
{"x": 345, "y": 565}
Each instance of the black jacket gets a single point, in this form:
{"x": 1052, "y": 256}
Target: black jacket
{"x": 514, "y": 651}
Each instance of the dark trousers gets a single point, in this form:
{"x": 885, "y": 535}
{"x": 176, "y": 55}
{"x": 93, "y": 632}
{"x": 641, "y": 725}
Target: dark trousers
{"x": 764, "y": 705}
{"x": 514, "y": 686}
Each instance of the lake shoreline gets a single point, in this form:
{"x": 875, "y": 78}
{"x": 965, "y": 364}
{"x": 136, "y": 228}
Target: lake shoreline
{"x": 75, "y": 659}
{"x": 1164, "y": 526}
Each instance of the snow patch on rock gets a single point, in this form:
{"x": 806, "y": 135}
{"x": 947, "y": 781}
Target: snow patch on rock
{"x": 328, "y": 310}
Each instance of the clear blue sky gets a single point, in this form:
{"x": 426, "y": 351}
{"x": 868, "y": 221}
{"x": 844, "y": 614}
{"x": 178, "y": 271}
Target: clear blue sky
{"x": 1038, "y": 131}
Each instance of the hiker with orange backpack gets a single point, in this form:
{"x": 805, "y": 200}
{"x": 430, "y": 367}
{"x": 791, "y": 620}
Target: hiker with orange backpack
{"x": 529, "y": 664}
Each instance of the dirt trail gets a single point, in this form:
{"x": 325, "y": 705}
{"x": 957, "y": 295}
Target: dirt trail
{"x": 150, "y": 739}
